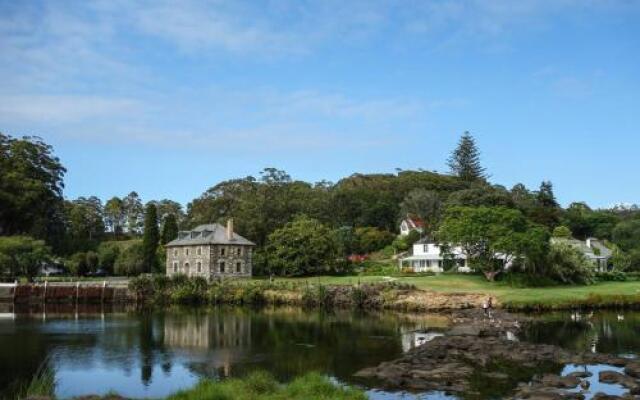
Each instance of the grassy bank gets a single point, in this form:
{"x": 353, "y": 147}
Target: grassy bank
{"x": 602, "y": 294}
{"x": 258, "y": 385}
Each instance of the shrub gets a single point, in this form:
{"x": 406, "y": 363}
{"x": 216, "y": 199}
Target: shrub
{"x": 611, "y": 276}
{"x": 568, "y": 265}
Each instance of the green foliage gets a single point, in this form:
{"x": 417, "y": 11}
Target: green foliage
{"x": 108, "y": 253}
{"x": 131, "y": 261}
{"x": 547, "y": 210}
{"x": 425, "y": 204}
{"x": 302, "y": 247}
{"x": 85, "y": 223}
{"x": 31, "y": 200}
{"x": 485, "y": 232}
{"x": 22, "y": 256}
{"x": 627, "y": 235}
{"x": 464, "y": 161}
{"x": 150, "y": 239}
{"x": 481, "y": 194}
{"x": 562, "y": 232}
{"x": 169, "y": 229}
{"x": 568, "y": 265}
{"x": 370, "y": 239}
{"x": 611, "y": 276}
{"x": 261, "y": 385}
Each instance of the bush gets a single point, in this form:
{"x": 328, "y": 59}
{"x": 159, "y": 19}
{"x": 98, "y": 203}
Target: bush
{"x": 611, "y": 276}
{"x": 130, "y": 262}
{"x": 568, "y": 265}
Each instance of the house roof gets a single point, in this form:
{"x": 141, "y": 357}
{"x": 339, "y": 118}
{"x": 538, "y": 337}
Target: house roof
{"x": 208, "y": 234}
{"x": 414, "y": 222}
{"x": 590, "y": 252}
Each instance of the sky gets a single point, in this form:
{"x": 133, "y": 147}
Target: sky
{"x": 168, "y": 98}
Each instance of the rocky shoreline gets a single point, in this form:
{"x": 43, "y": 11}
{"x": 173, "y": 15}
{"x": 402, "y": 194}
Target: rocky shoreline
{"x": 479, "y": 353}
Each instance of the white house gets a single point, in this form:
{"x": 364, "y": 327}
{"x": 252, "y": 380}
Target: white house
{"x": 411, "y": 224}
{"x": 427, "y": 256}
{"x": 593, "y": 249}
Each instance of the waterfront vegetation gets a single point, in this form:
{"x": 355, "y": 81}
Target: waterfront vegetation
{"x": 397, "y": 292}
{"x": 257, "y": 385}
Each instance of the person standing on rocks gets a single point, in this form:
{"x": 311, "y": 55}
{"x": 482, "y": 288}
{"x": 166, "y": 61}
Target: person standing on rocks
{"x": 485, "y": 308}
{"x": 490, "y": 305}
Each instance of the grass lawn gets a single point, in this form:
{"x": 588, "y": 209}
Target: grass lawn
{"x": 555, "y": 295}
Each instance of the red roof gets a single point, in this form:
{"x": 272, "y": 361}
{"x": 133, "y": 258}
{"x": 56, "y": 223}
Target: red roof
{"x": 414, "y": 222}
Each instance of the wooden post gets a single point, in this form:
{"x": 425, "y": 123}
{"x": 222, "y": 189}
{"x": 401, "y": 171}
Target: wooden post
{"x": 77, "y": 291}
{"x": 15, "y": 289}
{"x": 104, "y": 286}
{"x": 44, "y": 295}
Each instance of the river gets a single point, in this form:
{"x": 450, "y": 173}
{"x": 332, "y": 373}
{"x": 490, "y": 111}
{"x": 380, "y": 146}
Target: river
{"x": 94, "y": 350}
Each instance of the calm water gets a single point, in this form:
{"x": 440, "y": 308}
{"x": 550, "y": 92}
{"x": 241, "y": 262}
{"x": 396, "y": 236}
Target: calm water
{"x": 156, "y": 353}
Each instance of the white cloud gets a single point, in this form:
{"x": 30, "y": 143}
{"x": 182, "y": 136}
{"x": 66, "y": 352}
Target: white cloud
{"x": 63, "y": 108}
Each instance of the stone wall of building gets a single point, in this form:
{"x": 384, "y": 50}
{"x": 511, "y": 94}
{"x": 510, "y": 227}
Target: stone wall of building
{"x": 210, "y": 261}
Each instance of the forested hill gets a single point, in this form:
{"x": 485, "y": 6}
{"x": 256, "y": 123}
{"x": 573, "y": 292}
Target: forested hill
{"x": 32, "y": 203}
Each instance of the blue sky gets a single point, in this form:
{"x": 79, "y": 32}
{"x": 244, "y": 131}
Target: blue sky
{"x": 168, "y": 98}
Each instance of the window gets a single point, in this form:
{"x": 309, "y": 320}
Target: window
{"x": 222, "y": 249}
{"x": 199, "y": 265}
{"x": 222, "y": 266}
{"x": 186, "y": 251}
{"x": 425, "y": 248}
{"x": 175, "y": 267}
{"x": 239, "y": 251}
{"x": 186, "y": 268}
{"x": 175, "y": 252}
{"x": 238, "y": 267}
{"x": 199, "y": 251}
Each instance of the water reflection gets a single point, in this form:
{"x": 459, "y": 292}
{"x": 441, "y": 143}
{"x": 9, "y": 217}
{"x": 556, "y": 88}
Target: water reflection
{"x": 603, "y": 332}
{"x": 151, "y": 354}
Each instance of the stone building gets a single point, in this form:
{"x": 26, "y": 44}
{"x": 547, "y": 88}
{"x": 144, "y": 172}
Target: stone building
{"x": 210, "y": 251}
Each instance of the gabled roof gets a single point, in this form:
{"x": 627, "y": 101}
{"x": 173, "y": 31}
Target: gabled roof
{"x": 414, "y": 222}
{"x": 602, "y": 251}
{"x": 208, "y": 234}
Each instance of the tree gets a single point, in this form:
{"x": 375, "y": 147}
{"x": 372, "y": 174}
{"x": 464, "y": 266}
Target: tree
{"x": 22, "y": 256}
{"x": 31, "y": 183}
{"x": 562, "y": 232}
{"x": 302, "y": 247}
{"x": 369, "y": 239}
{"x": 85, "y": 218}
{"x": 169, "y": 229}
{"x": 114, "y": 215}
{"x": 627, "y": 235}
{"x": 568, "y": 265}
{"x": 547, "y": 210}
{"x": 108, "y": 253}
{"x": 481, "y": 195}
{"x": 491, "y": 236}
{"x": 425, "y": 204}
{"x": 464, "y": 161}
{"x": 133, "y": 211}
{"x": 131, "y": 261}
{"x": 150, "y": 238}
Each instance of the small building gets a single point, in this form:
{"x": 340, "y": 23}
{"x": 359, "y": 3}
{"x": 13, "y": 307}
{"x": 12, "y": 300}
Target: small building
{"x": 411, "y": 223}
{"x": 427, "y": 256}
{"x": 210, "y": 251}
{"x": 592, "y": 248}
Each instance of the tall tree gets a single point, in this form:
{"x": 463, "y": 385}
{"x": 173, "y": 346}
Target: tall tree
{"x": 133, "y": 211}
{"x": 169, "y": 229}
{"x": 464, "y": 161}
{"x": 547, "y": 209}
{"x": 85, "y": 218}
{"x": 114, "y": 215}
{"x": 151, "y": 238}
{"x": 31, "y": 183}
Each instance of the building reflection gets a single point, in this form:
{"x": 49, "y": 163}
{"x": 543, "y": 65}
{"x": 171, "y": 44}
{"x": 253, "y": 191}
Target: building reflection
{"x": 225, "y": 338}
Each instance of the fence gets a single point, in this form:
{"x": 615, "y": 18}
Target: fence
{"x": 64, "y": 292}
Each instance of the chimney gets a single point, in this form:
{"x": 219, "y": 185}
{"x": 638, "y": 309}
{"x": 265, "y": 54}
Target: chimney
{"x": 230, "y": 229}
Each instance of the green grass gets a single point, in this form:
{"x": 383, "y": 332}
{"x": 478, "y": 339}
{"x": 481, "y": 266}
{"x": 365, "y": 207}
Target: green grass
{"x": 599, "y": 294}
{"x": 261, "y": 385}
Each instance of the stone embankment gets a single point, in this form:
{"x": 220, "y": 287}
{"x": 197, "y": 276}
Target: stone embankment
{"x": 483, "y": 350}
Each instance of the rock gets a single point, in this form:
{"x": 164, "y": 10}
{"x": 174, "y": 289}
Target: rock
{"x": 604, "y": 396}
{"x": 580, "y": 374}
{"x": 567, "y": 382}
{"x": 611, "y": 377}
{"x": 632, "y": 369}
